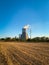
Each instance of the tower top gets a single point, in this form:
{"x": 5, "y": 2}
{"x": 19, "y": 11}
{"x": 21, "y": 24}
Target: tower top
{"x": 26, "y": 27}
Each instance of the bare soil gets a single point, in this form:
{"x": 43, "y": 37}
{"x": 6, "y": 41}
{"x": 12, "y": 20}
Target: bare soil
{"x": 19, "y": 53}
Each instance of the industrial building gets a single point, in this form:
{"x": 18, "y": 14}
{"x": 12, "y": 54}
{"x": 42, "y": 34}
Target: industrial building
{"x": 24, "y": 35}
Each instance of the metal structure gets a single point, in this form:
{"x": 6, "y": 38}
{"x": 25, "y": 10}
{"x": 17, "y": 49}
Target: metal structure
{"x": 24, "y": 35}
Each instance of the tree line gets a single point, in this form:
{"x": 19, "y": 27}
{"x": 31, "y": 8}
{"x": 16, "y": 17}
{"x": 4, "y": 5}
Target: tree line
{"x": 39, "y": 39}
{"x": 36, "y": 39}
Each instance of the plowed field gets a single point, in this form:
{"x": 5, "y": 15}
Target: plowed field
{"x": 18, "y": 53}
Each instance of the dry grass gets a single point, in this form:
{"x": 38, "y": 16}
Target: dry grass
{"x": 13, "y": 53}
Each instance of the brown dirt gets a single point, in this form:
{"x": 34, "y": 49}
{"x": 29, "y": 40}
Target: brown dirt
{"x": 18, "y": 53}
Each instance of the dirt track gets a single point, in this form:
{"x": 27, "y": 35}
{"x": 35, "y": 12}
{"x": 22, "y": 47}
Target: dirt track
{"x": 13, "y": 53}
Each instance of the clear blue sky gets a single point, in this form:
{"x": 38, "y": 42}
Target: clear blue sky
{"x": 14, "y": 14}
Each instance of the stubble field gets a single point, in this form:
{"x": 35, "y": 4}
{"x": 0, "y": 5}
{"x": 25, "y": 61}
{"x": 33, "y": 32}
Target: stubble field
{"x": 19, "y": 53}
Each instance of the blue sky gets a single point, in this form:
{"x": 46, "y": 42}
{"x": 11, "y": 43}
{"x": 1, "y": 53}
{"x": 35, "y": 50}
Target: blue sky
{"x": 14, "y": 14}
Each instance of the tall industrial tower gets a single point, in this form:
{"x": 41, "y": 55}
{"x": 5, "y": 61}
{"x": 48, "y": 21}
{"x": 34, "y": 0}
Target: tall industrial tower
{"x": 24, "y": 35}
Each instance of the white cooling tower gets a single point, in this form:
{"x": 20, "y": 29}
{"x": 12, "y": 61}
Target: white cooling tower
{"x": 24, "y": 35}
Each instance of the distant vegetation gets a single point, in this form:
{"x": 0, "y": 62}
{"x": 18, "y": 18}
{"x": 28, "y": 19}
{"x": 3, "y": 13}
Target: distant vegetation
{"x": 39, "y": 39}
{"x": 9, "y": 39}
{"x": 36, "y": 39}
